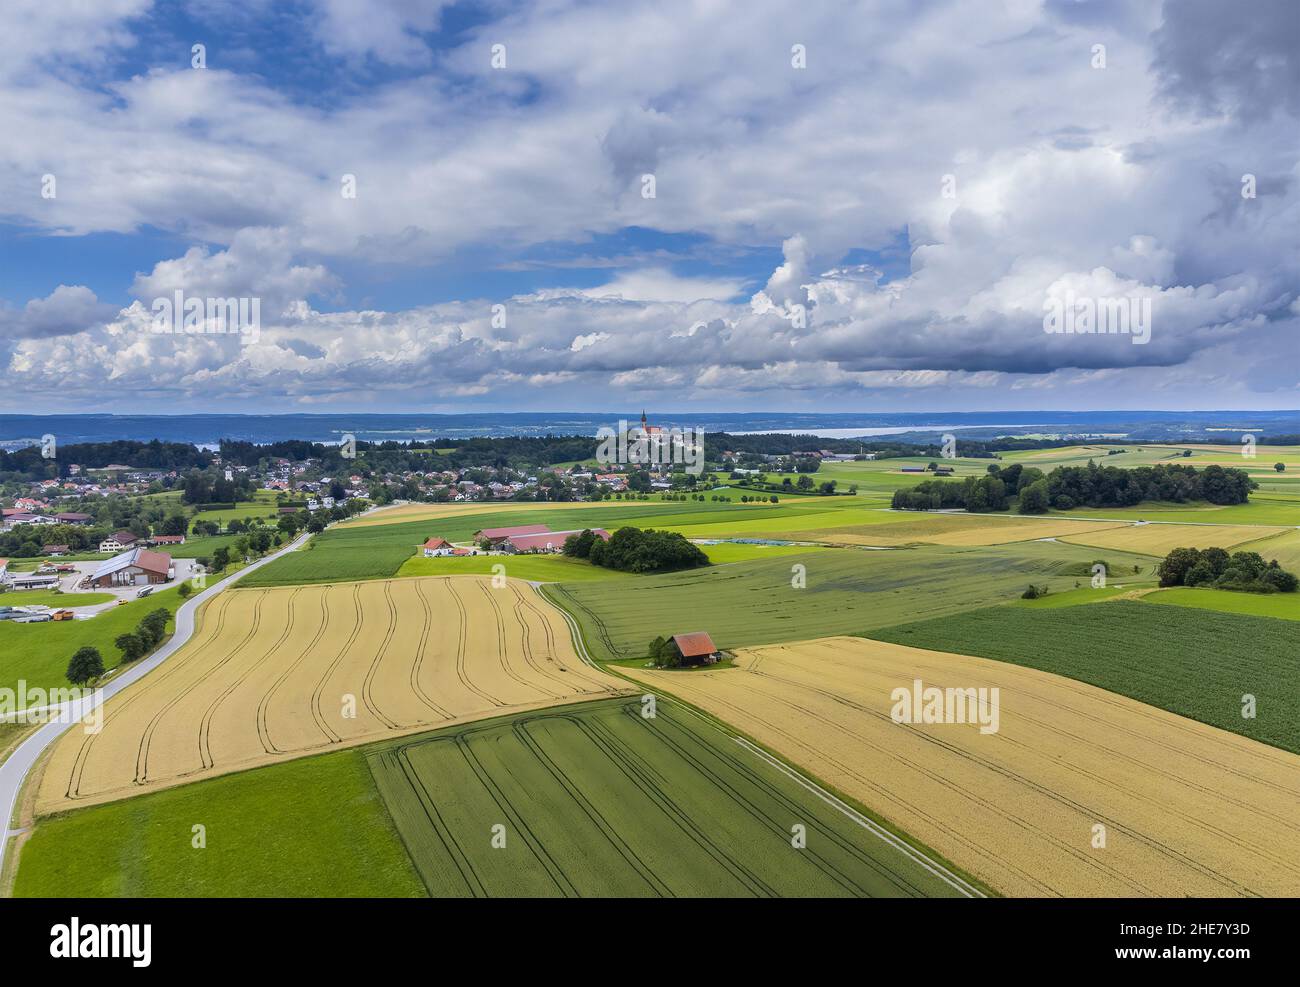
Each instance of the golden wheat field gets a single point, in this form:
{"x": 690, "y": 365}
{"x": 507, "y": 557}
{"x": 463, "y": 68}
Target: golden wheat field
{"x": 1161, "y": 539}
{"x": 1188, "y": 810}
{"x": 280, "y": 673}
{"x": 1284, "y": 547}
{"x": 961, "y": 530}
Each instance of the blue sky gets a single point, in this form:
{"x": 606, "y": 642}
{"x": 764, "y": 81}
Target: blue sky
{"x": 867, "y": 207}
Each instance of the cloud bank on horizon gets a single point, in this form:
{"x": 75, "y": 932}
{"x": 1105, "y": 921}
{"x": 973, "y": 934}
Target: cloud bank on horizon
{"x": 718, "y": 205}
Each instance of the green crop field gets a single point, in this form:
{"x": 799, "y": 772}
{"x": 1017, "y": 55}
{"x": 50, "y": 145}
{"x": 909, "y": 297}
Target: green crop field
{"x": 1283, "y": 605}
{"x": 263, "y": 505}
{"x": 39, "y": 653}
{"x": 595, "y": 800}
{"x": 309, "y": 828}
{"x": 196, "y": 546}
{"x": 538, "y": 568}
{"x": 1085, "y": 594}
{"x": 378, "y": 551}
{"x": 848, "y": 590}
{"x": 1197, "y": 663}
{"x": 725, "y": 553}
{"x": 51, "y": 598}
{"x": 1265, "y": 509}
{"x": 558, "y": 569}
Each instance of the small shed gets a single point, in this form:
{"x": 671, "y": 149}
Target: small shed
{"x": 697, "y": 648}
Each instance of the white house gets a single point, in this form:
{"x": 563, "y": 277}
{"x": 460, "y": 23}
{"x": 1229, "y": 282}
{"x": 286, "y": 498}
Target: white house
{"x": 118, "y": 542}
{"x": 437, "y": 546}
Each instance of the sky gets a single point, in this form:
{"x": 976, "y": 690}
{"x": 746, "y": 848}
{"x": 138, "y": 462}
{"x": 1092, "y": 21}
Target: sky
{"x": 709, "y": 205}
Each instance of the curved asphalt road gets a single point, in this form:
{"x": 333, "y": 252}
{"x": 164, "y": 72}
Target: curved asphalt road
{"x": 14, "y": 770}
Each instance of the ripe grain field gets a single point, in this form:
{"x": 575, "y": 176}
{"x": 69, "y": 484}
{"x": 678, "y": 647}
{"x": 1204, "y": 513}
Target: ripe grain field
{"x": 281, "y": 673}
{"x": 1187, "y": 810}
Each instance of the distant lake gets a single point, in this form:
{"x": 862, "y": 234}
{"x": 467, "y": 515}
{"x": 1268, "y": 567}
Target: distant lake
{"x": 17, "y": 431}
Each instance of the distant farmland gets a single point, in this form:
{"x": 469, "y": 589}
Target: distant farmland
{"x": 1198, "y": 663}
{"x": 1161, "y": 539}
{"x": 369, "y": 549}
{"x": 848, "y": 591}
{"x": 596, "y": 800}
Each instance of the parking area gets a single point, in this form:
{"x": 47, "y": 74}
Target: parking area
{"x": 77, "y": 581}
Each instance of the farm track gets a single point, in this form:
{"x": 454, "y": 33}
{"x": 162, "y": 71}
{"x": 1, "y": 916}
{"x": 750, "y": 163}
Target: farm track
{"x": 280, "y": 673}
{"x": 1188, "y": 809}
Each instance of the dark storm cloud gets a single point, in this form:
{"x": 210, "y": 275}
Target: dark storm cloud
{"x": 1239, "y": 60}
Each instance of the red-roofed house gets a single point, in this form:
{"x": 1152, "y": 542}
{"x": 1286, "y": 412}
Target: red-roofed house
{"x": 496, "y": 536}
{"x": 546, "y": 541}
{"x": 436, "y": 546}
{"x": 138, "y": 567}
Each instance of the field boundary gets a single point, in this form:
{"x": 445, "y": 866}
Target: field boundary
{"x": 863, "y": 816}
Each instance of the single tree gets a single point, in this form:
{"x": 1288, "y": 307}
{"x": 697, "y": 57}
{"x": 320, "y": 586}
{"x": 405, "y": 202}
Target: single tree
{"x": 85, "y": 665}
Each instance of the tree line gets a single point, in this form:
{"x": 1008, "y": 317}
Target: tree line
{"x": 28, "y": 465}
{"x": 1068, "y": 487}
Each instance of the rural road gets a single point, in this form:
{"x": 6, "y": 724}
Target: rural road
{"x": 14, "y": 770}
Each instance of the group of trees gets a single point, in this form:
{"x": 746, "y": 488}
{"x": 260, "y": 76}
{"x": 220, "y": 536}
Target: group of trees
{"x": 805, "y": 484}
{"x": 28, "y": 465}
{"x": 636, "y": 550}
{"x": 147, "y": 635}
{"x": 87, "y": 664}
{"x": 25, "y": 541}
{"x": 991, "y": 492}
{"x": 1214, "y": 567}
{"x": 1068, "y": 487}
{"x": 1111, "y": 486}
{"x": 213, "y": 488}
